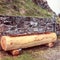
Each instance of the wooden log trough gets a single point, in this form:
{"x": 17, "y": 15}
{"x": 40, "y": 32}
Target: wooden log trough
{"x": 13, "y": 44}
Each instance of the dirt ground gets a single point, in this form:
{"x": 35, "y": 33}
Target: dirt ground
{"x": 35, "y": 53}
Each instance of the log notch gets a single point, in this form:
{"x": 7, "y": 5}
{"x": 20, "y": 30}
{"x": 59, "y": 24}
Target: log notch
{"x": 11, "y": 43}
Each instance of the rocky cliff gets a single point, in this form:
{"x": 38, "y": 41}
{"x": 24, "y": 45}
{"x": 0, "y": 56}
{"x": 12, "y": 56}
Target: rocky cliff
{"x": 27, "y": 25}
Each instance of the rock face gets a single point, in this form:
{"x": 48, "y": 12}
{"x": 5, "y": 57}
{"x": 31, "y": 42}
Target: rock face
{"x": 26, "y": 25}
{"x": 43, "y": 4}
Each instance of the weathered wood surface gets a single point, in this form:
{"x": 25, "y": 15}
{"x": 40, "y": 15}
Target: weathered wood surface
{"x": 10, "y": 43}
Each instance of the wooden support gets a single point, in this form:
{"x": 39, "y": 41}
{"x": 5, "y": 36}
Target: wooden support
{"x": 15, "y": 52}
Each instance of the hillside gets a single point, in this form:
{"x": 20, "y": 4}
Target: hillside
{"x": 43, "y": 4}
{"x": 22, "y": 8}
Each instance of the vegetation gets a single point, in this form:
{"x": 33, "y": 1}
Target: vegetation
{"x": 22, "y": 8}
{"x": 58, "y": 20}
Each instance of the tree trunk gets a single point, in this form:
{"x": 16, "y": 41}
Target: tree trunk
{"x": 10, "y": 43}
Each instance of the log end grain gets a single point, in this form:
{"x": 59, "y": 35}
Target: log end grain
{"x": 15, "y": 52}
{"x": 3, "y": 43}
{"x": 50, "y": 45}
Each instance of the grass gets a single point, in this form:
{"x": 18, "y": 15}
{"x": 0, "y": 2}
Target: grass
{"x": 58, "y": 20}
{"x": 27, "y": 55}
{"x": 22, "y": 57}
{"x": 22, "y": 8}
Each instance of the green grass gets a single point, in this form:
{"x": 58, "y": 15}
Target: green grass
{"x": 23, "y": 8}
{"x": 25, "y": 56}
